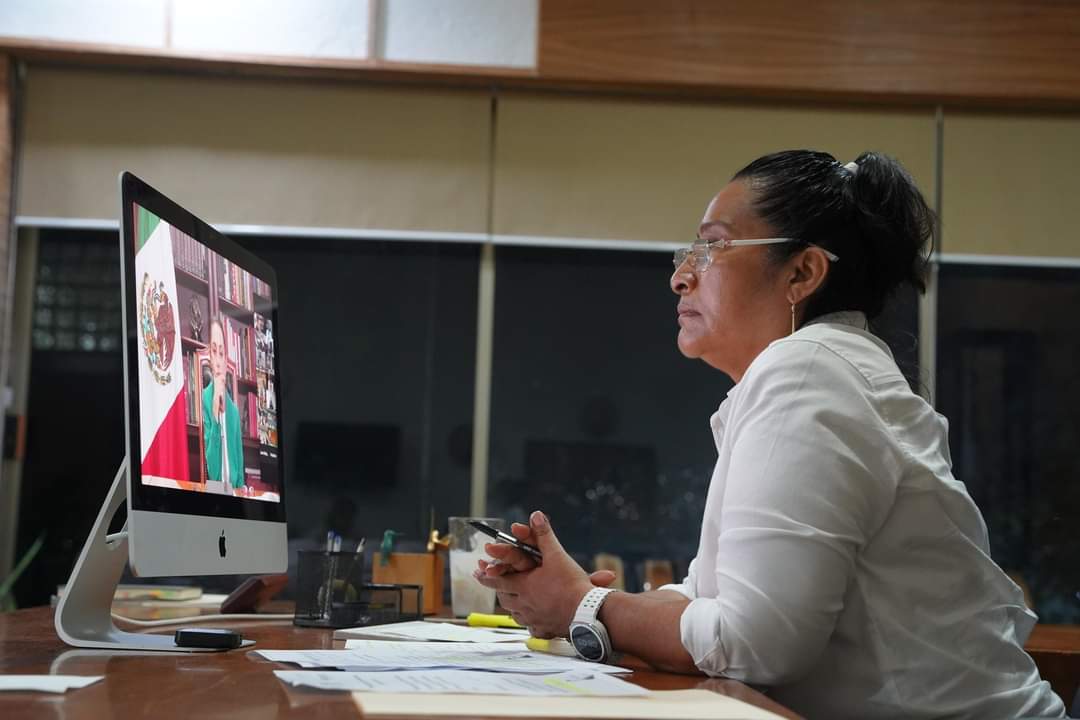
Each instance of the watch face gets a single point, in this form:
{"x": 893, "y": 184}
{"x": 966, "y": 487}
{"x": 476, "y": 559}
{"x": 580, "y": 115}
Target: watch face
{"x": 587, "y": 643}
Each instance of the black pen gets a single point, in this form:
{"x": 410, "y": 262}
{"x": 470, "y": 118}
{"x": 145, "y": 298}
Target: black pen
{"x": 502, "y": 537}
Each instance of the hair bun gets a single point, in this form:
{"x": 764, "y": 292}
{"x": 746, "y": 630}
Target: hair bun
{"x": 894, "y": 222}
{"x": 869, "y": 212}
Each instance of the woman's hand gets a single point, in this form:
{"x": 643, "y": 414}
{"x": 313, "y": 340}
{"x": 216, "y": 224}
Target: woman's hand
{"x": 510, "y": 559}
{"x": 507, "y": 557}
{"x": 542, "y": 597}
{"x": 218, "y": 408}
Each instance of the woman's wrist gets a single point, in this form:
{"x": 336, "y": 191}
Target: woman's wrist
{"x": 576, "y": 594}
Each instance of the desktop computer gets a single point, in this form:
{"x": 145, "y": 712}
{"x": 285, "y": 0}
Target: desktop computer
{"x": 203, "y": 476}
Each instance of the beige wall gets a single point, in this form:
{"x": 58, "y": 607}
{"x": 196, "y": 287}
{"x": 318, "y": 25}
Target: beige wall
{"x": 258, "y": 152}
{"x": 642, "y": 170}
{"x": 1011, "y": 185}
{"x": 308, "y": 154}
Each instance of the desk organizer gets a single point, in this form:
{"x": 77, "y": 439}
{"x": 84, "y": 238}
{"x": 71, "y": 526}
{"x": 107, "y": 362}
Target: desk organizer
{"x": 330, "y": 593}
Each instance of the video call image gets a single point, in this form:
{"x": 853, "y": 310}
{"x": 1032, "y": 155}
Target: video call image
{"x": 207, "y": 403}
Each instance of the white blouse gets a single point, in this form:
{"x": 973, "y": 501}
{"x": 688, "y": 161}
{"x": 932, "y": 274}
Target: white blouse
{"x": 840, "y": 562}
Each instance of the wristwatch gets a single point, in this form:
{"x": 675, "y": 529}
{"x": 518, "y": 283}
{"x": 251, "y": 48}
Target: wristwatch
{"x": 587, "y": 634}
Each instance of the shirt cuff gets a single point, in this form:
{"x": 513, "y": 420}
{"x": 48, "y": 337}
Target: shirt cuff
{"x": 699, "y": 629}
{"x": 679, "y": 588}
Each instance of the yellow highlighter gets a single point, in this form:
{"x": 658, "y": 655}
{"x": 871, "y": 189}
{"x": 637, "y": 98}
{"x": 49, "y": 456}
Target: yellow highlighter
{"x": 557, "y": 646}
{"x": 492, "y": 621}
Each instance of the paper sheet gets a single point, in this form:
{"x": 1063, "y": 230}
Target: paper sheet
{"x": 466, "y": 681}
{"x": 382, "y": 655}
{"x": 493, "y": 657}
{"x": 430, "y": 631}
{"x": 666, "y": 704}
{"x": 47, "y": 683}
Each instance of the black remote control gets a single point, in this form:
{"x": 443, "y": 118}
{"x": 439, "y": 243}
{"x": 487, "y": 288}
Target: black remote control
{"x": 208, "y": 638}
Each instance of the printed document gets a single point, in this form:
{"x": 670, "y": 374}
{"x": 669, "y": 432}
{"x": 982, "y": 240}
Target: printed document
{"x": 659, "y": 704}
{"x": 46, "y": 683}
{"x": 383, "y": 655}
{"x": 466, "y": 681}
{"x": 431, "y": 631}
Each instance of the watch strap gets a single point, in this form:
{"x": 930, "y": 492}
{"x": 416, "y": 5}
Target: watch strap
{"x": 589, "y": 607}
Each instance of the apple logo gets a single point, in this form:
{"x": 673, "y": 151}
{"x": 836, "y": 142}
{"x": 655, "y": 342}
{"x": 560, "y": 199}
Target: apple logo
{"x": 221, "y": 544}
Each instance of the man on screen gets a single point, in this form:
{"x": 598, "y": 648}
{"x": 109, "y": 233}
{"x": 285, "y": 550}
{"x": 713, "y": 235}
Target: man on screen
{"x": 221, "y": 420}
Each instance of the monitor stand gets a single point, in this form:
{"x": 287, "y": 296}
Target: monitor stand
{"x": 84, "y": 614}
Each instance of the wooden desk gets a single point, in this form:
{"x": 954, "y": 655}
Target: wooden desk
{"x": 235, "y": 685}
{"x": 1056, "y": 650}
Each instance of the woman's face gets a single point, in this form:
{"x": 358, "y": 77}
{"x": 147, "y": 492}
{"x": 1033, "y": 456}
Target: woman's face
{"x": 217, "y": 349}
{"x": 732, "y": 311}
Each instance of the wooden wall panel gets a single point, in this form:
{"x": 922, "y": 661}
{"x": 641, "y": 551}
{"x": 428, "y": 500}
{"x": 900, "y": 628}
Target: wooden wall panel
{"x": 7, "y": 237}
{"x": 638, "y": 170}
{"x": 1010, "y": 51}
{"x": 990, "y": 53}
{"x": 260, "y": 152}
{"x": 9, "y": 493}
{"x": 1010, "y": 184}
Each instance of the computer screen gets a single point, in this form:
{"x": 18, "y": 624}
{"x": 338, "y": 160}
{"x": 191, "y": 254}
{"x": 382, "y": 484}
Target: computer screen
{"x": 206, "y": 492}
{"x": 209, "y": 422}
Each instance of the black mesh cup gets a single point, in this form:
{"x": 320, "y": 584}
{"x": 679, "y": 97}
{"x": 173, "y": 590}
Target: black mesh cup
{"x": 331, "y": 593}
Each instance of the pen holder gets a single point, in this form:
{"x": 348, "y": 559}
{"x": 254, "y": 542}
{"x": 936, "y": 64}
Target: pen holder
{"x": 331, "y": 593}
{"x": 325, "y": 582}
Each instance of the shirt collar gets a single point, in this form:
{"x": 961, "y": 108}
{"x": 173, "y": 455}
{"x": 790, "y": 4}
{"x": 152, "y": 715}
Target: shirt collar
{"x": 854, "y": 318}
{"x": 719, "y": 419}
{"x": 851, "y": 318}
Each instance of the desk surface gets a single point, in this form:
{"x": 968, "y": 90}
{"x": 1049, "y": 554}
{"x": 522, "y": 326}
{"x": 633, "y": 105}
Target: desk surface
{"x": 236, "y": 684}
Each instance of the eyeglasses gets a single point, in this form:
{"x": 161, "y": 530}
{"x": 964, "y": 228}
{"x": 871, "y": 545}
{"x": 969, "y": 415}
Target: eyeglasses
{"x": 700, "y": 258}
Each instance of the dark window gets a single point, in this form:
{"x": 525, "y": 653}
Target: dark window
{"x": 596, "y": 417}
{"x": 1006, "y": 375}
{"x": 378, "y": 369}
{"x": 75, "y": 404}
{"x": 377, "y": 356}
{"x": 76, "y": 300}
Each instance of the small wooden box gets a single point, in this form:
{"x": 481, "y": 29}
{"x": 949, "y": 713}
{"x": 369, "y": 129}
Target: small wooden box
{"x": 425, "y": 569}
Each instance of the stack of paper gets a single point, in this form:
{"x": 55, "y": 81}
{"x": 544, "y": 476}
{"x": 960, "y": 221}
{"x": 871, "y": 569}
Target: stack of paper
{"x": 381, "y": 656}
{"x": 449, "y": 684}
{"x": 429, "y": 631}
{"x": 46, "y": 683}
{"x": 466, "y": 681}
{"x": 665, "y": 704}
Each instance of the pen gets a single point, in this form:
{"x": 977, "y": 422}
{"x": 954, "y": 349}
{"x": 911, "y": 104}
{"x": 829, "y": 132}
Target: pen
{"x": 500, "y": 536}
{"x": 331, "y": 569}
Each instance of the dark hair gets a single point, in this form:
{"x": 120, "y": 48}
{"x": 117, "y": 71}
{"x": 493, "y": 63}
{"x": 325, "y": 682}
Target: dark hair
{"x": 873, "y": 217}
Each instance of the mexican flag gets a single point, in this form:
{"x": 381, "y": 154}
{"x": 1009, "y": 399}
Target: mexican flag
{"x": 162, "y": 399}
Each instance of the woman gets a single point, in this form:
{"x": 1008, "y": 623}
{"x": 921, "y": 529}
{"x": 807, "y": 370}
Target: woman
{"x": 223, "y": 446}
{"x": 840, "y": 563}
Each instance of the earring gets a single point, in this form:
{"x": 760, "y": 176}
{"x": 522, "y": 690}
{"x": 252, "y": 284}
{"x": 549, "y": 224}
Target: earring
{"x": 792, "y": 318}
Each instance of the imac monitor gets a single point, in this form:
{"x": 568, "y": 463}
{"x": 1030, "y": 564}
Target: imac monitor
{"x": 205, "y": 480}
{"x": 202, "y": 477}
